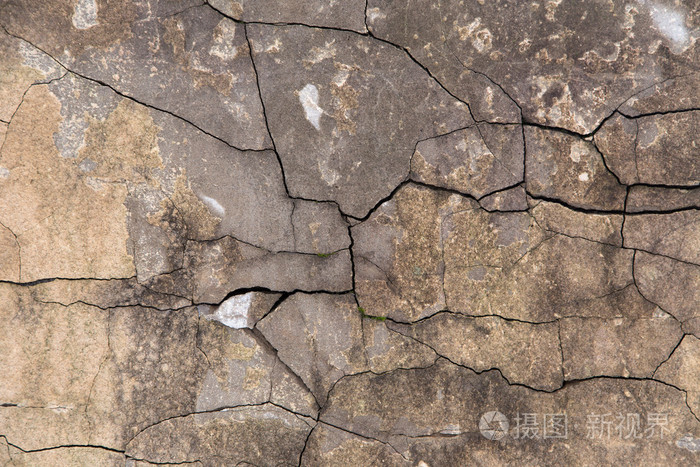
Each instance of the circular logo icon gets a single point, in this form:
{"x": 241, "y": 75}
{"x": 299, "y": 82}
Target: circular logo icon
{"x": 493, "y": 425}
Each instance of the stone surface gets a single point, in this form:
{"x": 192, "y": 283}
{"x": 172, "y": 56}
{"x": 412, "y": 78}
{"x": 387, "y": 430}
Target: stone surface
{"x": 567, "y": 64}
{"x": 673, "y": 285}
{"x": 330, "y": 446}
{"x": 50, "y": 357}
{"x": 318, "y": 228}
{"x": 23, "y": 65}
{"x": 248, "y": 435}
{"x": 565, "y": 168}
{"x": 433, "y": 416}
{"x": 213, "y": 269}
{"x": 388, "y": 349}
{"x": 423, "y": 251}
{"x": 617, "y": 347}
{"x": 398, "y": 254}
{"x": 654, "y": 149}
{"x": 168, "y": 55}
{"x": 349, "y": 232}
{"x": 649, "y": 199}
{"x": 245, "y": 370}
{"x": 464, "y": 161}
{"x": 682, "y": 370}
{"x": 675, "y": 235}
{"x": 517, "y": 349}
{"x": 329, "y": 330}
{"x": 340, "y": 133}
{"x": 553, "y": 217}
{"x": 512, "y": 199}
{"x": 348, "y": 14}
{"x": 64, "y": 456}
{"x": 672, "y": 94}
{"x": 105, "y": 294}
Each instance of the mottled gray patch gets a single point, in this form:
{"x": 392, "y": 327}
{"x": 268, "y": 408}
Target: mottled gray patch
{"x": 79, "y": 99}
{"x": 87, "y": 165}
{"x": 689, "y": 443}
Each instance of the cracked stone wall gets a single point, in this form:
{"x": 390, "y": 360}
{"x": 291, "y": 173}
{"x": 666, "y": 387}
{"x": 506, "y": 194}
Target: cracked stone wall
{"x": 323, "y": 232}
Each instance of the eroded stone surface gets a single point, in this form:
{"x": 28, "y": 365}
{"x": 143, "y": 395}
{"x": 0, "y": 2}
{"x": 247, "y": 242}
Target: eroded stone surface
{"x": 477, "y": 160}
{"x": 655, "y": 149}
{"x": 675, "y": 235}
{"x": 617, "y": 347}
{"x": 22, "y": 66}
{"x": 346, "y": 232}
{"x": 63, "y": 456}
{"x": 249, "y": 435}
{"x": 649, "y": 199}
{"x": 566, "y": 168}
{"x": 328, "y": 445}
{"x": 682, "y": 370}
{"x": 167, "y": 55}
{"x": 512, "y": 199}
{"x": 45, "y": 388}
{"x": 398, "y": 255}
{"x": 329, "y": 329}
{"x": 348, "y": 14}
{"x": 673, "y": 285}
{"x": 424, "y": 251}
{"x": 213, "y": 269}
{"x": 672, "y": 94}
{"x": 245, "y": 370}
{"x": 434, "y": 413}
{"x": 553, "y": 217}
{"x": 515, "y": 348}
{"x": 341, "y": 134}
{"x": 567, "y": 64}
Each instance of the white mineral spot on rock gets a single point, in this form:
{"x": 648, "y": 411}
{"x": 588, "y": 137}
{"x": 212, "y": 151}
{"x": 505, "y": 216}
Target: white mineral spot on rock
{"x": 233, "y": 312}
{"x": 374, "y": 14}
{"x": 583, "y": 177}
{"x": 213, "y": 205}
{"x": 670, "y": 23}
{"x": 329, "y": 175}
{"x": 308, "y": 97}
{"x": 224, "y": 47}
{"x": 4, "y": 173}
{"x": 577, "y": 150}
{"x": 341, "y": 77}
{"x": 659, "y": 313}
{"x": 85, "y": 14}
{"x": 451, "y": 430}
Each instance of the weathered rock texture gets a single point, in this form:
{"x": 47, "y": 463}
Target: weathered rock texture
{"x": 384, "y": 232}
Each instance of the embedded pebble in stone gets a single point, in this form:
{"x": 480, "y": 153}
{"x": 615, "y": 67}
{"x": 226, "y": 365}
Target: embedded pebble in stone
{"x": 233, "y": 312}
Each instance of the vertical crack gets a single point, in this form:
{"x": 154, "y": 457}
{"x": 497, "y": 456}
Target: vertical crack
{"x": 264, "y": 109}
